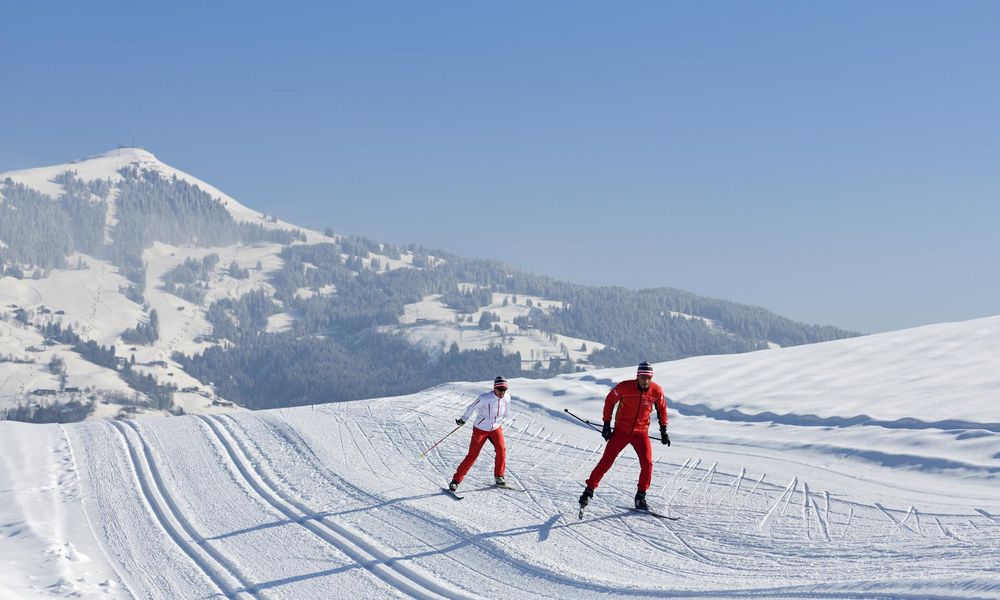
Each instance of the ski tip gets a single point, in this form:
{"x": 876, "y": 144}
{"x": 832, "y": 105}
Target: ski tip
{"x": 508, "y": 487}
{"x": 452, "y": 494}
{"x": 653, "y": 514}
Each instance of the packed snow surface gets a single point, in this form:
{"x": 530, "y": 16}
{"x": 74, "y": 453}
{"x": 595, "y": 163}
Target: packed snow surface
{"x": 862, "y": 468}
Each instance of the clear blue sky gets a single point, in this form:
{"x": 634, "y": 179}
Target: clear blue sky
{"x": 835, "y": 162}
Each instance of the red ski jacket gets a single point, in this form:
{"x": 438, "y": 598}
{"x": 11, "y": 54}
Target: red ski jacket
{"x": 635, "y": 406}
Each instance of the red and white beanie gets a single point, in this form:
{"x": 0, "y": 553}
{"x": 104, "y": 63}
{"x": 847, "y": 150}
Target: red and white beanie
{"x": 499, "y": 383}
{"x": 645, "y": 370}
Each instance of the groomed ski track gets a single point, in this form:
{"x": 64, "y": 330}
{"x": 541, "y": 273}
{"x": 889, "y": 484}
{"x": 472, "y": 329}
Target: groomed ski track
{"x": 333, "y": 501}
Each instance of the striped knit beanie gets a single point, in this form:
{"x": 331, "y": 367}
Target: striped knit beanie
{"x": 645, "y": 370}
{"x": 499, "y": 383}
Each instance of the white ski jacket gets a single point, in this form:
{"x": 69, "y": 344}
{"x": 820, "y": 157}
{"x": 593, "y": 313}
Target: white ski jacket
{"x": 492, "y": 411}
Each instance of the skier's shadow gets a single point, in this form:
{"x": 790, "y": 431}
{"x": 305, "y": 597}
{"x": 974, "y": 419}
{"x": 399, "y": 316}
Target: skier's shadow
{"x": 318, "y": 516}
{"x": 262, "y": 526}
{"x": 543, "y": 530}
{"x": 378, "y": 505}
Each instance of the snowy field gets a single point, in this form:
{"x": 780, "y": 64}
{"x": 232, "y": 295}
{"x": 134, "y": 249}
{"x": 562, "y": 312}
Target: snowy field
{"x": 431, "y": 324}
{"x": 862, "y": 468}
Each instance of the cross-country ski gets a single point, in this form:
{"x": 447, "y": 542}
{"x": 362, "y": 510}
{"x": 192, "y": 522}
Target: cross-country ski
{"x": 652, "y": 513}
{"x": 452, "y": 493}
{"x": 508, "y": 487}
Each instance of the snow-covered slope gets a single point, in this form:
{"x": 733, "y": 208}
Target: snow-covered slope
{"x": 858, "y": 469}
{"x": 435, "y": 326}
{"x": 92, "y": 303}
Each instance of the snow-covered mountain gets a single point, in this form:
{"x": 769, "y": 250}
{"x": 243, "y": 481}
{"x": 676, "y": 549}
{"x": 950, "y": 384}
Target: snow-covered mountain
{"x": 91, "y": 300}
{"x": 108, "y": 166}
{"x": 861, "y": 468}
{"x": 179, "y": 290}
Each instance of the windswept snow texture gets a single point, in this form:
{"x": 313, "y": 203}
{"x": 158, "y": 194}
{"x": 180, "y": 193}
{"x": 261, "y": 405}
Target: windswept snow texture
{"x": 864, "y": 468}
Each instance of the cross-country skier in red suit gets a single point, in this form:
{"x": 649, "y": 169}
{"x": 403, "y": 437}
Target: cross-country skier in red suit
{"x": 493, "y": 407}
{"x": 636, "y": 399}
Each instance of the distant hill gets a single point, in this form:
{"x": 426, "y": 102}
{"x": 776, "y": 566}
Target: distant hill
{"x": 129, "y": 286}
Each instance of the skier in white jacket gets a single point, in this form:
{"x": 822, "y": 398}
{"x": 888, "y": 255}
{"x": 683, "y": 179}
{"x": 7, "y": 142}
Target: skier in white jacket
{"x": 491, "y": 409}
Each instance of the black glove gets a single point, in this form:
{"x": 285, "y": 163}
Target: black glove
{"x": 606, "y": 431}
{"x": 664, "y": 438}
{"x": 459, "y": 422}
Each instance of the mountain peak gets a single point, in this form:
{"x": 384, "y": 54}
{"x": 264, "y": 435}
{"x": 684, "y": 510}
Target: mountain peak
{"x": 99, "y": 166}
{"x": 107, "y": 165}
{"x": 126, "y": 154}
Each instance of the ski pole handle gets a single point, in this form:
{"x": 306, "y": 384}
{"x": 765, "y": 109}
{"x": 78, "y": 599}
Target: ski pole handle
{"x": 424, "y": 453}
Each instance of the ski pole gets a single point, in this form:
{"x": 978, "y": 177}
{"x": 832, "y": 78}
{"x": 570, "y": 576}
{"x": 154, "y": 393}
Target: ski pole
{"x": 424, "y": 453}
{"x": 594, "y": 425}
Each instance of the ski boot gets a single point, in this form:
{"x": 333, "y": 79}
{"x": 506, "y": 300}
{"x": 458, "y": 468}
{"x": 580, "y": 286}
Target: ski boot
{"x": 640, "y": 501}
{"x": 500, "y": 481}
{"x": 585, "y": 497}
{"x": 453, "y": 485}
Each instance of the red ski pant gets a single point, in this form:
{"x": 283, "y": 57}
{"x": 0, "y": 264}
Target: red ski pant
{"x": 617, "y": 443}
{"x": 479, "y": 438}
